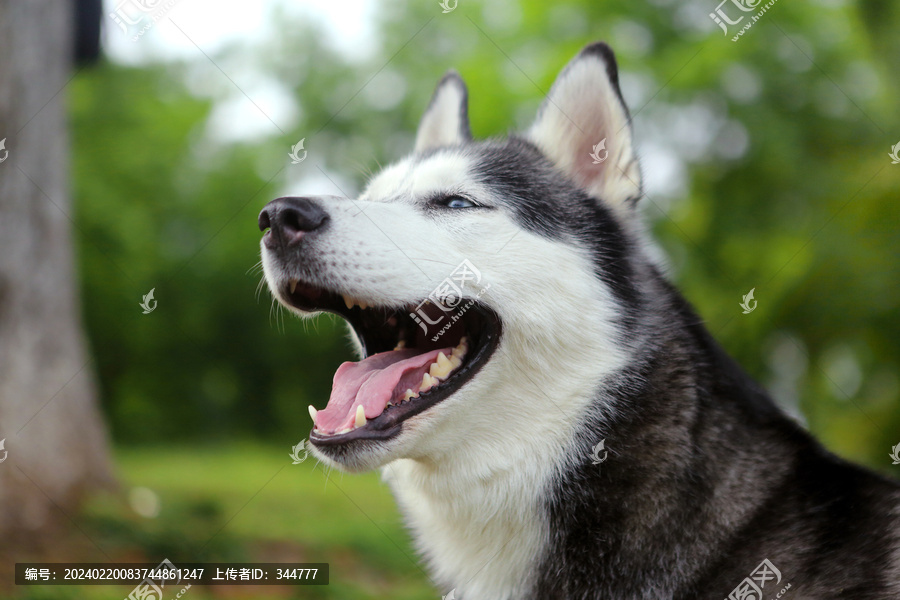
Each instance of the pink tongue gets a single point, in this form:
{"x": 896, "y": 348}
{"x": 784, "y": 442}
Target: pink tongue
{"x": 372, "y": 383}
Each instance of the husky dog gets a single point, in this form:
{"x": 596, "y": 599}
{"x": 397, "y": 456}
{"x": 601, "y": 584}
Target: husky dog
{"x": 550, "y": 413}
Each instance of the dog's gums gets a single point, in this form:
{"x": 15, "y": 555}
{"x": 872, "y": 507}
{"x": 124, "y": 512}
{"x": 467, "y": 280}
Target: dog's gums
{"x": 406, "y": 367}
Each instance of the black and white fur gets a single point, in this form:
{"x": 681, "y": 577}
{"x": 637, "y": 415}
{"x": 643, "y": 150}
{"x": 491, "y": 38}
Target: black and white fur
{"x": 705, "y": 476}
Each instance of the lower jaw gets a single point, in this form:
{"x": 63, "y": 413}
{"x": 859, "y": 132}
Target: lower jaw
{"x": 322, "y": 439}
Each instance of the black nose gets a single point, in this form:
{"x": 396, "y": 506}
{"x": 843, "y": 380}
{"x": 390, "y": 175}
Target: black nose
{"x": 289, "y": 219}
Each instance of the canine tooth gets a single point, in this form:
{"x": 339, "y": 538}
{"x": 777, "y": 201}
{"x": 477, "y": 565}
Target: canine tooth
{"x": 294, "y": 283}
{"x": 428, "y": 382}
{"x": 348, "y": 301}
{"x": 360, "y": 416}
{"x": 312, "y": 413}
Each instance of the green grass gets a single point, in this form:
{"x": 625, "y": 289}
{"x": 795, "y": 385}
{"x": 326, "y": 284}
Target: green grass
{"x": 248, "y": 503}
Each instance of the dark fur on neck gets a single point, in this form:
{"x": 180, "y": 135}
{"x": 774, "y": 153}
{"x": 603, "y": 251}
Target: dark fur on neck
{"x": 705, "y": 478}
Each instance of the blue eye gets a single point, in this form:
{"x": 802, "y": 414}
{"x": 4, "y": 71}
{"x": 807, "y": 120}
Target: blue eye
{"x": 457, "y": 202}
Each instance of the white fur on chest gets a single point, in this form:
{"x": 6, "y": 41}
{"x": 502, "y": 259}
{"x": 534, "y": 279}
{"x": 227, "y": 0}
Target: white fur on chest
{"x": 483, "y": 536}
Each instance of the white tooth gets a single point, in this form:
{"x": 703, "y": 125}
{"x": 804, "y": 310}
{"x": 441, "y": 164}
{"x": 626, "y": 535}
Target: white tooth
{"x": 294, "y": 283}
{"x": 455, "y": 361}
{"x": 400, "y": 345}
{"x": 348, "y": 301}
{"x": 312, "y": 413}
{"x": 441, "y": 368}
{"x": 342, "y": 431}
{"x": 428, "y": 382}
{"x": 390, "y": 403}
{"x": 360, "y": 416}
{"x": 409, "y": 394}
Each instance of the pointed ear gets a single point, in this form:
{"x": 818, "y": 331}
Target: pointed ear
{"x": 584, "y": 128}
{"x": 446, "y": 120}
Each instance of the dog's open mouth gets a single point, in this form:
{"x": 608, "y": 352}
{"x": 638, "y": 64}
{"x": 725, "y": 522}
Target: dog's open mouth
{"x": 415, "y": 356}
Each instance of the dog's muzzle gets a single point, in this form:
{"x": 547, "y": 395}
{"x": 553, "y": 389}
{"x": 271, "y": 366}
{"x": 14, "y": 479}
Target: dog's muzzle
{"x": 289, "y": 220}
{"x": 406, "y": 366}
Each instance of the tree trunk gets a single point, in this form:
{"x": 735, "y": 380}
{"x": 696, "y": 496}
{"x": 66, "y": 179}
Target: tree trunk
{"x": 54, "y": 434}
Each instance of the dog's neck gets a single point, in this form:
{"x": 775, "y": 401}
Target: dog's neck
{"x": 481, "y": 511}
{"x": 477, "y": 521}
{"x": 476, "y": 500}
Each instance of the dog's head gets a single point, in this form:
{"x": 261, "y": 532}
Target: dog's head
{"x": 487, "y": 284}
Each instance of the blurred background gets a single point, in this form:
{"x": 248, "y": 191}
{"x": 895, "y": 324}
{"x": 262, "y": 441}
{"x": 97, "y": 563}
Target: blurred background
{"x": 141, "y": 165}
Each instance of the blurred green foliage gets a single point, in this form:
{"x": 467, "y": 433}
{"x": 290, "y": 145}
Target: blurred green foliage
{"x": 767, "y": 157}
{"x": 245, "y": 503}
